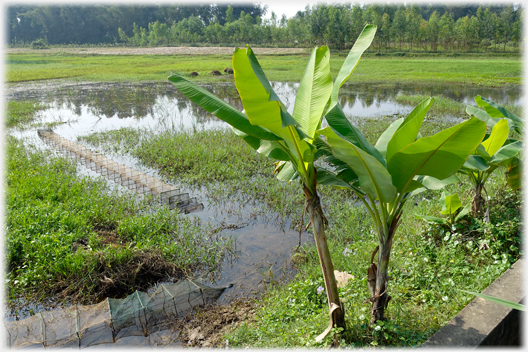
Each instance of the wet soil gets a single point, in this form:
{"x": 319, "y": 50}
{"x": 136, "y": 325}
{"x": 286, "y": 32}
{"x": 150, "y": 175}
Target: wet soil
{"x": 206, "y": 327}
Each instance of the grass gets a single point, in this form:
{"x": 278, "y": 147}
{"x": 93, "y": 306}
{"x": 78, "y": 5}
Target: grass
{"x": 74, "y": 237}
{"x": 22, "y": 113}
{"x": 485, "y": 71}
{"x": 217, "y": 160}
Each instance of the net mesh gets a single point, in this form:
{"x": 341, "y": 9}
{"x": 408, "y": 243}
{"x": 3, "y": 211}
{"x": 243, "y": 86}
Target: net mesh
{"x": 139, "y": 314}
{"x": 124, "y": 175}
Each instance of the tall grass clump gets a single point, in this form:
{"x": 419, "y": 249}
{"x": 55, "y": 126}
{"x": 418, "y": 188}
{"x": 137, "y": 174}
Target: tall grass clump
{"x": 21, "y": 113}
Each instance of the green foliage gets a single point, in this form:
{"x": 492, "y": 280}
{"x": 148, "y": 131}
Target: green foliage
{"x": 452, "y": 207}
{"x": 383, "y": 177}
{"x": 495, "y": 151}
{"x": 402, "y": 29}
{"x": 501, "y": 301}
{"x": 423, "y": 280}
{"x": 425, "y": 268}
{"x": 200, "y": 159}
{"x": 41, "y": 43}
{"x": 268, "y": 127}
{"x": 21, "y": 113}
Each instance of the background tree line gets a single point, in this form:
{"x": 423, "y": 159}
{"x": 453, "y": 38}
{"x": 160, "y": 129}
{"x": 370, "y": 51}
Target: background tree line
{"x": 470, "y": 27}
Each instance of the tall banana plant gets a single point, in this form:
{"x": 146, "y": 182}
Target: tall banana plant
{"x": 269, "y": 128}
{"x": 385, "y": 175}
{"x": 495, "y": 151}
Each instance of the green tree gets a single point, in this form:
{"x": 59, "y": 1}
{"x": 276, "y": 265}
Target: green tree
{"x": 357, "y": 22}
{"x": 385, "y": 31}
{"x": 464, "y": 30}
{"x": 413, "y": 18}
{"x": 423, "y": 34}
{"x": 517, "y": 28}
{"x": 496, "y": 151}
{"x": 399, "y": 24}
{"x": 319, "y": 22}
{"x": 230, "y": 17}
{"x": 434, "y": 30}
{"x": 447, "y": 29}
{"x": 506, "y": 21}
{"x": 373, "y": 15}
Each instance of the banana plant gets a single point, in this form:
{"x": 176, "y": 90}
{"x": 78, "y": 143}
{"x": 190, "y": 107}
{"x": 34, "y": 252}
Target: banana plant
{"x": 384, "y": 176}
{"x": 495, "y": 151}
{"x": 452, "y": 207}
{"x": 271, "y": 130}
{"x": 493, "y": 112}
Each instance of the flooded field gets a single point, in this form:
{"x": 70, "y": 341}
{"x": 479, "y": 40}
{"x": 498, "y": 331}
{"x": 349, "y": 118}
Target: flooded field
{"x": 264, "y": 240}
{"x": 79, "y": 109}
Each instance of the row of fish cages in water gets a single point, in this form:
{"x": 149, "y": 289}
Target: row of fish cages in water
{"x": 132, "y": 179}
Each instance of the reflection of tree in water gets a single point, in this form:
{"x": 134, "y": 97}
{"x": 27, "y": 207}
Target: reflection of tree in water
{"x": 123, "y": 102}
{"x": 163, "y": 101}
{"x": 138, "y": 100}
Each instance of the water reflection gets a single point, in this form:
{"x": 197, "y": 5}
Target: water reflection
{"x": 106, "y": 105}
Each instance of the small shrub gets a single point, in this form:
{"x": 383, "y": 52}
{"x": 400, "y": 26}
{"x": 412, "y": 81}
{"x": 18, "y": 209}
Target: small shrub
{"x": 40, "y": 43}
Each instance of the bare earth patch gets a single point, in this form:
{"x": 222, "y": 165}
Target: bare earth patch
{"x": 206, "y": 327}
{"x": 181, "y": 50}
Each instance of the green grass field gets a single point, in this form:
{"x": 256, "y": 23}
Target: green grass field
{"x": 485, "y": 71}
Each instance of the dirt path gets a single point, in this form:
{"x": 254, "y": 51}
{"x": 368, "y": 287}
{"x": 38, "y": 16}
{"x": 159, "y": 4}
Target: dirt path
{"x": 159, "y": 51}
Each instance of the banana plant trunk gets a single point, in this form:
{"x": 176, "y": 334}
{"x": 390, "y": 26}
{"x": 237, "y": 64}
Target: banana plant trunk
{"x": 318, "y": 220}
{"x": 479, "y": 203}
{"x": 378, "y": 275}
{"x": 380, "y": 297}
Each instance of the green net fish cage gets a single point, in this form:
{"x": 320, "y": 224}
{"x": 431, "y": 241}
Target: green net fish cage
{"x": 139, "y": 314}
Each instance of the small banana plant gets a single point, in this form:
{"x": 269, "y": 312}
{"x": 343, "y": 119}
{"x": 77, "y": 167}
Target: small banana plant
{"x": 495, "y": 151}
{"x": 452, "y": 207}
{"x": 384, "y": 176}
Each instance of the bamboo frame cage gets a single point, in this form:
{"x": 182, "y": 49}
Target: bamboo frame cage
{"x": 132, "y": 179}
